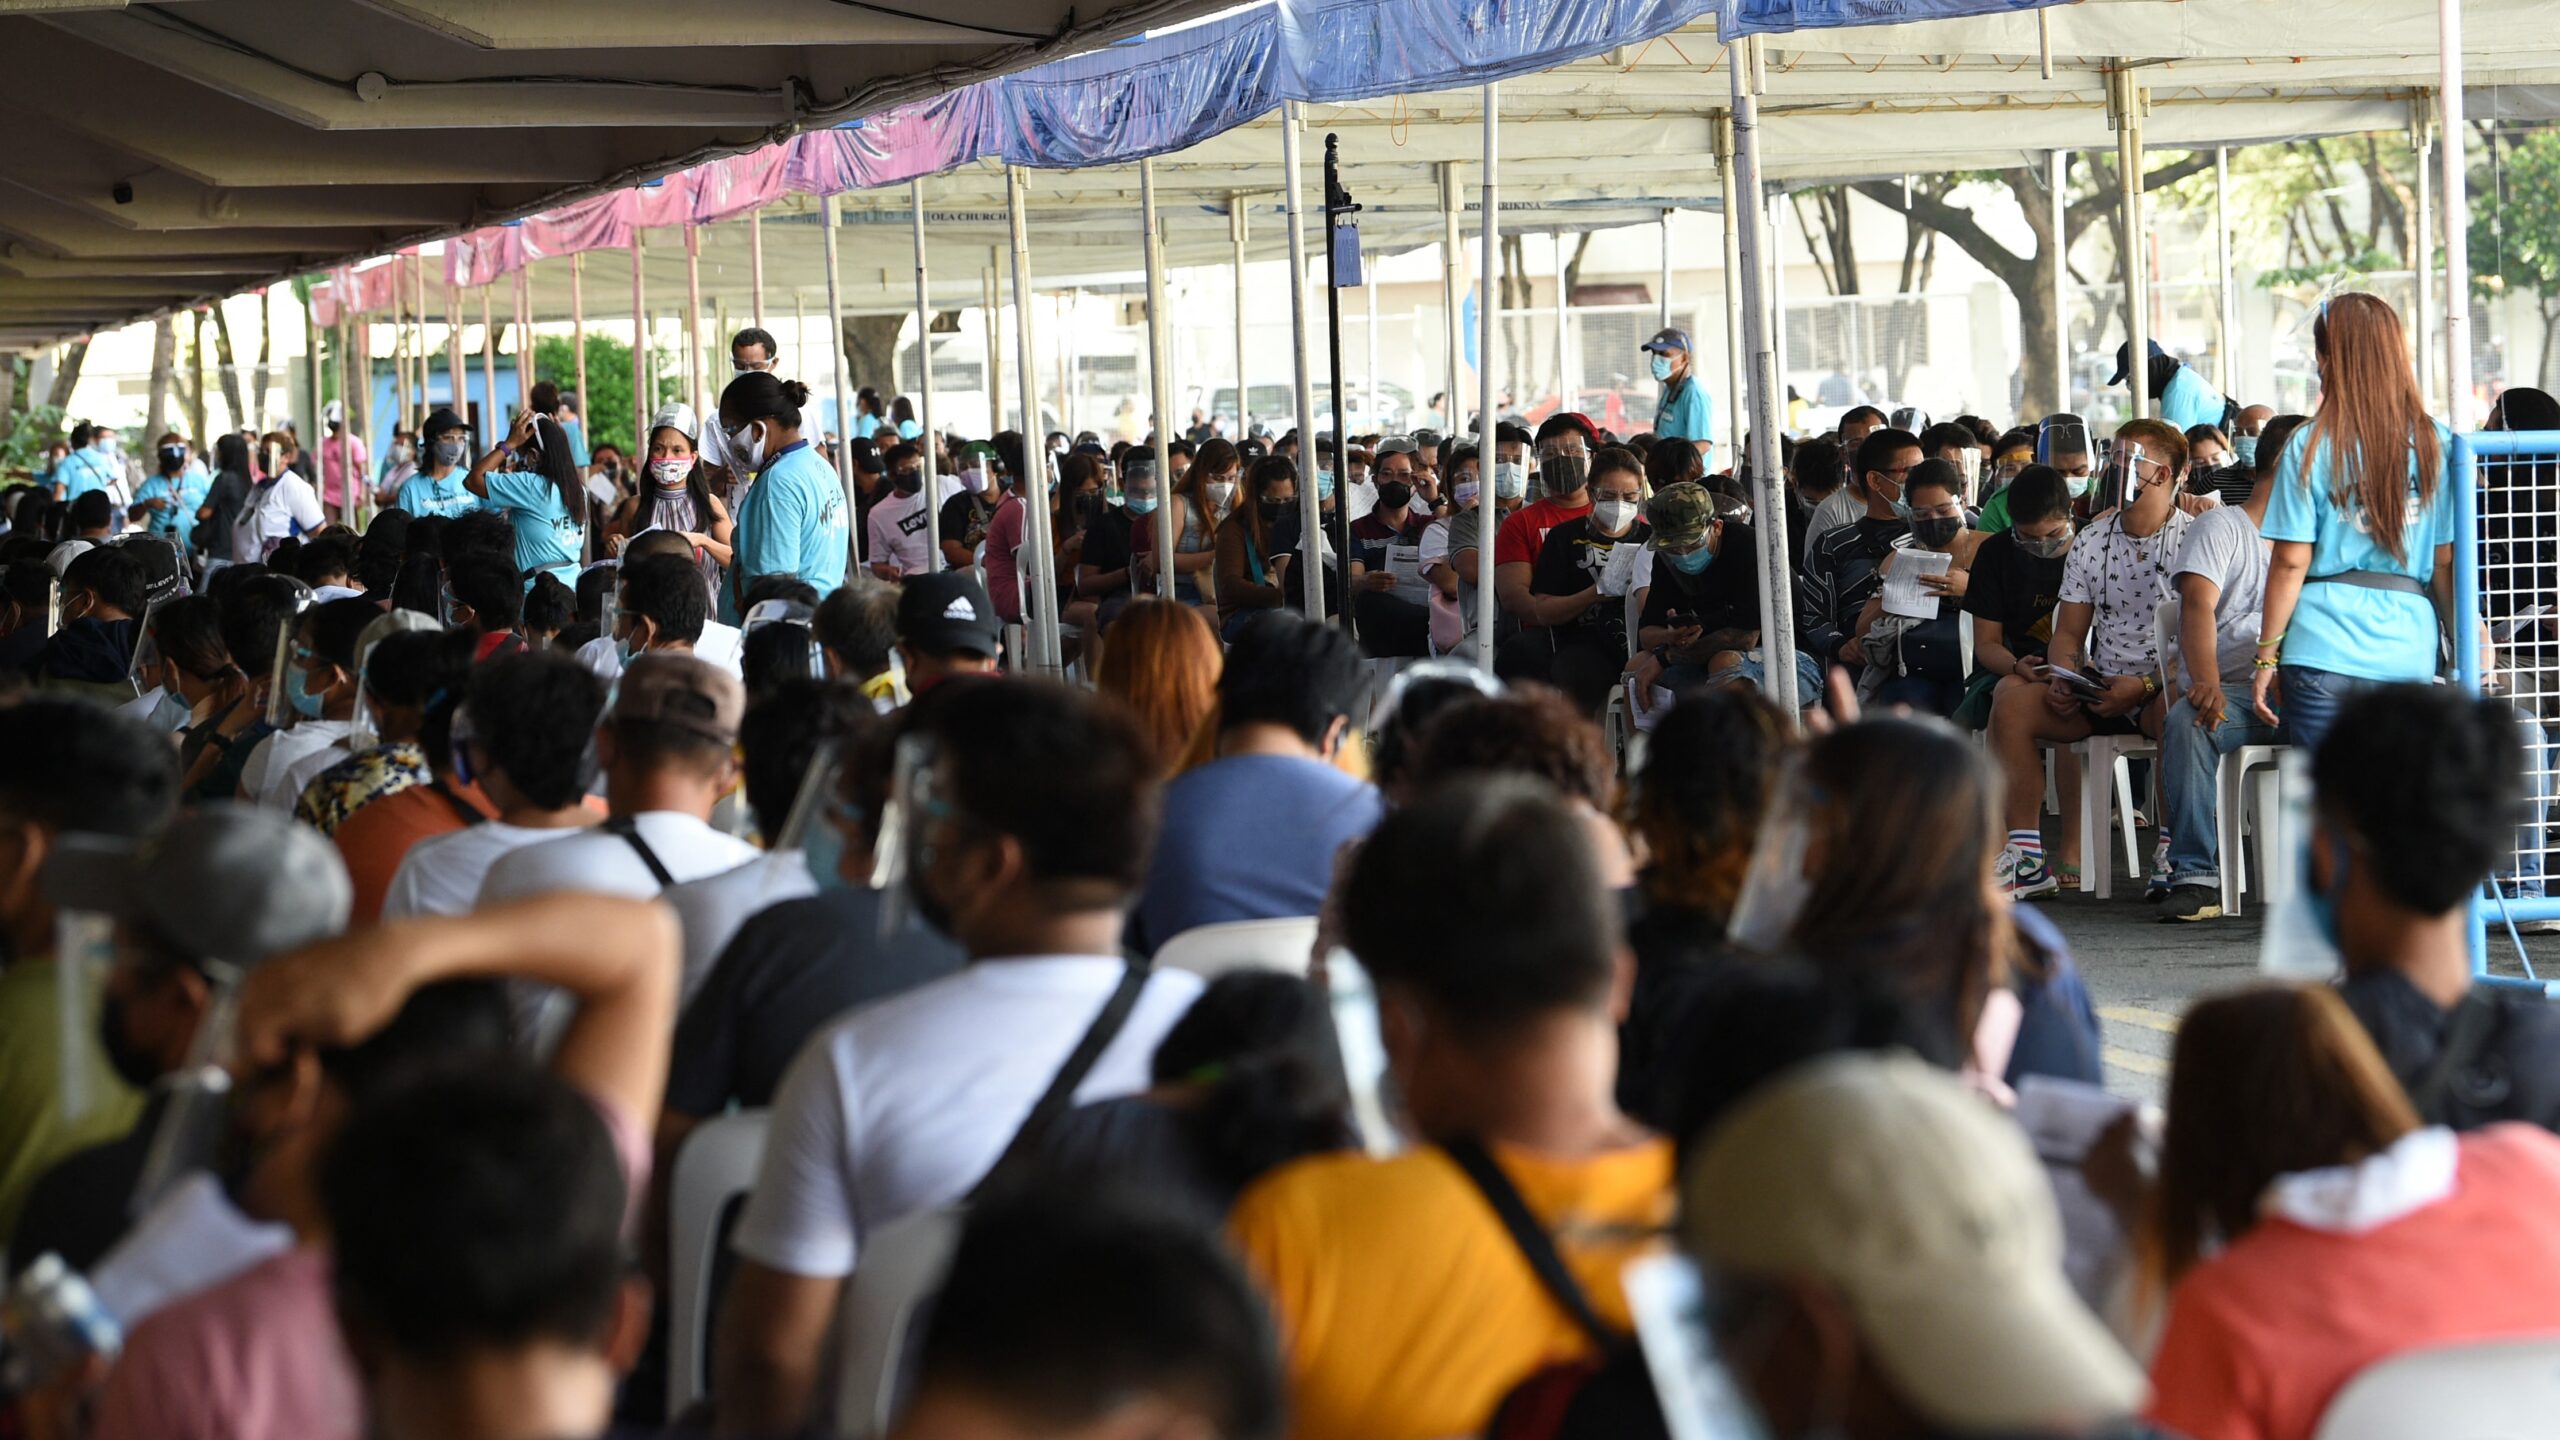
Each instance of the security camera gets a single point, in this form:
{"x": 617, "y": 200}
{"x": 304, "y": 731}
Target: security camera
{"x": 123, "y": 192}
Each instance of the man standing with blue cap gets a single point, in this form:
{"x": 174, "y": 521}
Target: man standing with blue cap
{"x": 1685, "y": 413}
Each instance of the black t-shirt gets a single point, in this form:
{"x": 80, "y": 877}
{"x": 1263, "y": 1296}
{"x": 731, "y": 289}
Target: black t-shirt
{"x": 2016, "y": 589}
{"x": 81, "y": 1207}
{"x": 1107, "y": 540}
{"x": 965, "y": 517}
{"x": 1570, "y": 562}
{"x": 2512, "y": 1074}
{"x": 792, "y": 968}
{"x": 1725, "y": 596}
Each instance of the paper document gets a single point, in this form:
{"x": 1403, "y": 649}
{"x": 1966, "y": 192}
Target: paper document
{"x": 1618, "y": 572}
{"x": 1902, "y": 592}
{"x": 2063, "y": 1119}
{"x": 1405, "y": 563}
{"x": 2078, "y": 681}
{"x": 2505, "y": 630}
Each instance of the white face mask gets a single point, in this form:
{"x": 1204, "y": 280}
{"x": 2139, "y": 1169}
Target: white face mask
{"x": 669, "y": 474}
{"x": 974, "y": 480}
{"x": 1614, "y": 516}
{"x": 1465, "y": 493}
{"x": 751, "y": 455}
{"x": 1221, "y": 492}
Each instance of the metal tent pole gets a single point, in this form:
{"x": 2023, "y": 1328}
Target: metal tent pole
{"x": 2422, "y": 259}
{"x": 1236, "y": 223}
{"x": 453, "y": 351}
{"x": 1564, "y": 375}
{"x": 2456, "y": 220}
{"x": 2225, "y": 313}
{"x": 489, "y": 365}
{"x": 1369, "y": 299}
{"x": 1777, "y": 247}
{"x": 2060, "y": 275}
{"x": 844, "y": 404}
{"x": 311, "y": 370}
{"x": 1488, "y": 517}
{"x": 1338, "y": 209}
{"x": 1734, "y": 365}
{"x": 1310, "y": 509}
{"x": 1665, "y": 320}
{"x": 924, "y": 386}
{"x": 1777, "y": 588}
{"x": 693, "y": 363}
{"x": 525, "y": 364}
{"x": 578, "y": 344}
{"x": 1038, "y": 572}
{"x": 1160, "y": 382}
{"x": 1453, "y": 291}
{"x": 2126, "y": 100}
{"x": 755, "y": 262}
{"x": 642, "y": 402}
{"x": 992, "y": 310}
{"x": 348, "y": 481}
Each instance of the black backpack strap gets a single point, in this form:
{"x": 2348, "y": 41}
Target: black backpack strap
{"x": 1080, "y": 1061}
{"x": 1535, "y": 1245}
{"x": 2466, "y": 1035}
{"x": 629, "y": 829}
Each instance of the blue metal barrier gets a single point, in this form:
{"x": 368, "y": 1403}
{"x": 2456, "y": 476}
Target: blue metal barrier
{"x": 2506, "y": 492}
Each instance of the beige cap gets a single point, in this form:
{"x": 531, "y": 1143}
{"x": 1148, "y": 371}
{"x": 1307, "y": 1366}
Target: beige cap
{"x": 683, "y": 691}
{"x": 1925, "y": 1208}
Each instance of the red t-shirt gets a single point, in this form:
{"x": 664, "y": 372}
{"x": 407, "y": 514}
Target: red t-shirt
{"x": 2263, "y": 1336}
{"x": 1520, "y": 537}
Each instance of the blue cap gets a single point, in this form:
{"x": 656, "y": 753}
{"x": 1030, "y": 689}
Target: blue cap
{"x": 1668, "y": 339}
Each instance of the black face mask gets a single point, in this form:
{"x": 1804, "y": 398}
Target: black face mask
{"x": 908, "y": 481}
{"x": 1084, "y": 506}
{"x": 131, "y": 1065}
{"x": 1283, "y": 522}
{"x": 1394, "y": 494}
{"x": 1563, "y": 474}
{"x": 1936, "y": 531}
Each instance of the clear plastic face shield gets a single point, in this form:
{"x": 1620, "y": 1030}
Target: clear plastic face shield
{"x": 279, "y": 699}
{"x": 2062, "y": 441}
{"x": 1701, "y": 1398}
{"x": 1908, "y": 417}
{"x": 2124, "y": 473}
{"x": 197, "y": 1112}
{"x": 52, "y": 608}
{"x": 818, "y": 825}
{"x": 2300, "y": 940}
{"x": 915, "y": 802}
{"x": 143, "y": 670}
{"x": 1775, "y": 886}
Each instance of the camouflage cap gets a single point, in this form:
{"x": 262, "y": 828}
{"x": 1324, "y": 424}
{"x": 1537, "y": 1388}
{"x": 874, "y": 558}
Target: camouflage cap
{"x": 1679, "y": 515}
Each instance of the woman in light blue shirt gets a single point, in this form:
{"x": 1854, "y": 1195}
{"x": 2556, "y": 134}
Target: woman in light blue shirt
{"x": 903, "y": 412}
{"x": 792, "y": 520}
{"x": 2361, "y": 581}
{"x": 533, "y": 478}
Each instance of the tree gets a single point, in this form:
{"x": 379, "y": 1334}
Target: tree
{"x": 266, "y": 351}
{"x": 67, "y": 375}
{"x": 229, "y": 368}
{"x": 606, "y": 403}
{"x": 2515, "y": 239}
{"x": 870, "y": 353}
{"x": 164, "y": 363}
{"x": 1942, "y": 204}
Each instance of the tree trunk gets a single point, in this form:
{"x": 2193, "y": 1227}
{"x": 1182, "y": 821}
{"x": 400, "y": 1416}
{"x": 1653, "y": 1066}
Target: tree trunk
{"x": 164, "y": 361}
{"x": 195, "y": 388}
{"x": 238, "y": 413}
{"x": 2550, "y": 330}
{"x": 266, "y": 352}
{"x": 66, "y": 375}
{"x": 8, "y": 395}
{"x": 871, "y": 353}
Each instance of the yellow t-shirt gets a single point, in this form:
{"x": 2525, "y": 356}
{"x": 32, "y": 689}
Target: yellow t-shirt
{"x": 1406, "y": 1309}
{"x": 34, "y": 1133}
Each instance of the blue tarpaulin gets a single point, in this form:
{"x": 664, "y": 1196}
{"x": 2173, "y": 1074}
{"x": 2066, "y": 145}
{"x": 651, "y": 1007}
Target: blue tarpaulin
{"x": 1765, "y": 17}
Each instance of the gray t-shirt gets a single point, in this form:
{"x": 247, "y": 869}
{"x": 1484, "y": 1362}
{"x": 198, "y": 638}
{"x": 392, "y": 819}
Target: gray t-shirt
{"x": 2223, "y": 546}
{"x": 1841, "y": 507}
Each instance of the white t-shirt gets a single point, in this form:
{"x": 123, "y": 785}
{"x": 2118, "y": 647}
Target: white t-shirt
{"x": 904, "y": 1105}
{"x": 714, "y": 907}
{"x": 441, "y": 875}
{"x": 2125, "y": 579}
{"x": 275, "y": 512}
{"x": 601, "y": 862}
{"x": 268, "y": 776}
{"x": 721, "y": 645}
{"x": 901, "y": 531}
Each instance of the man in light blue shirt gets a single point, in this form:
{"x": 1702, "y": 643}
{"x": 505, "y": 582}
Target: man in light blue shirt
{"x": 2178, "y": 394}
{"x": 1685, "y": 413}
{"x": 1252, "y": 834}
{"x": 436, "y": 488}
{"x": 89, "y": 466}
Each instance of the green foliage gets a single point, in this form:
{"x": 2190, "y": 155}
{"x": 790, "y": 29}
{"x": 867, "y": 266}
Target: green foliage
{"x": 2515, "y": 235}
{"x": 37, "y": 426}
{"x": 606, "y": 405}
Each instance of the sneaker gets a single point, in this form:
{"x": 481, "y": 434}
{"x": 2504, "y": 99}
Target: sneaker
{"x": 2158, "y": 888}
{"x": 2192, "y": 902}
{"x": 2023, "y": 877}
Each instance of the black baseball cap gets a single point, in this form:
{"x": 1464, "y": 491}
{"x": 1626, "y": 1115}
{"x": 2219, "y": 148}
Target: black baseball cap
{"x": 948, "y": 613}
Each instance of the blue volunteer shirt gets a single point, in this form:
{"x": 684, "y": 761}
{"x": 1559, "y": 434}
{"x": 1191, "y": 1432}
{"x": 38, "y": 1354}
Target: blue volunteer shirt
{"x": 163, "y": 523}
{"x": 2350, "y": 629}
{"x": 2189, "y": 402}
{"x": 546, "y": 538}
{"x": 84, "y": 471}
{"x": 1685, "y": 413}
{"x": 792, "y": 522}
{"x": 194, "y": 484}
{"x": 421, "y": 495}
{"x": 866, "y": 424}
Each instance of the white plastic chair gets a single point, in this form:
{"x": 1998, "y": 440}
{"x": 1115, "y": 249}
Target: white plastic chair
{"x": 2489, "y": 1390}
{"x": 2105, "y": 805}
{"x": 2247, "y": 778}
{"x": 1210, "y": 951}
{"x": 716, "y": 1167}
{"x": 902, "y": 1265}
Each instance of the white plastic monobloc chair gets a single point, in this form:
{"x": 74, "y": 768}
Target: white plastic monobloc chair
{"x": 901, "y": 1266}
{"x": 1210, "y": 951}
{"x": 2492, "y": 1390}
{"x": 2247, "y": 779}
{"x": 2106, "y": 802}
{"x": 715, "y": 1170}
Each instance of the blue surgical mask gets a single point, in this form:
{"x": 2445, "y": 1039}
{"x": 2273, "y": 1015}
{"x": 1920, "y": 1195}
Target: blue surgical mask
{"x": 1510, "y": 480}
{"x": 1693, "y": 563}
{"x": 1324, "y": 485}
{"x": 1901, "y": 508}
{"x": 1142, "y": 504}
{"x": 2244, "y": 448}
{"x": 823, "y": 849}
{"x": 1661, "y": 367}
{"x": 297, "y": 688}
{"x": 2322, "y": 906}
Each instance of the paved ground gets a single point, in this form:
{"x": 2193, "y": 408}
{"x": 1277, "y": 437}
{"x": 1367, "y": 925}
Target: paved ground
{"x": 2144, "y": 974}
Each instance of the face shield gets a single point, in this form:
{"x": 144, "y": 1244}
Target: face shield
{"x": 197, "y": 1113}
{"x": 2062, "y": 441}
{"x": 1910, "y": 417}
{"x": 914, "y": 803}
{"x": 1775, "y": 887}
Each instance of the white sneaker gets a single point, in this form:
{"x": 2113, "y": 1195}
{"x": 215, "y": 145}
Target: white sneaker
{"x": 2022, "y": 877}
